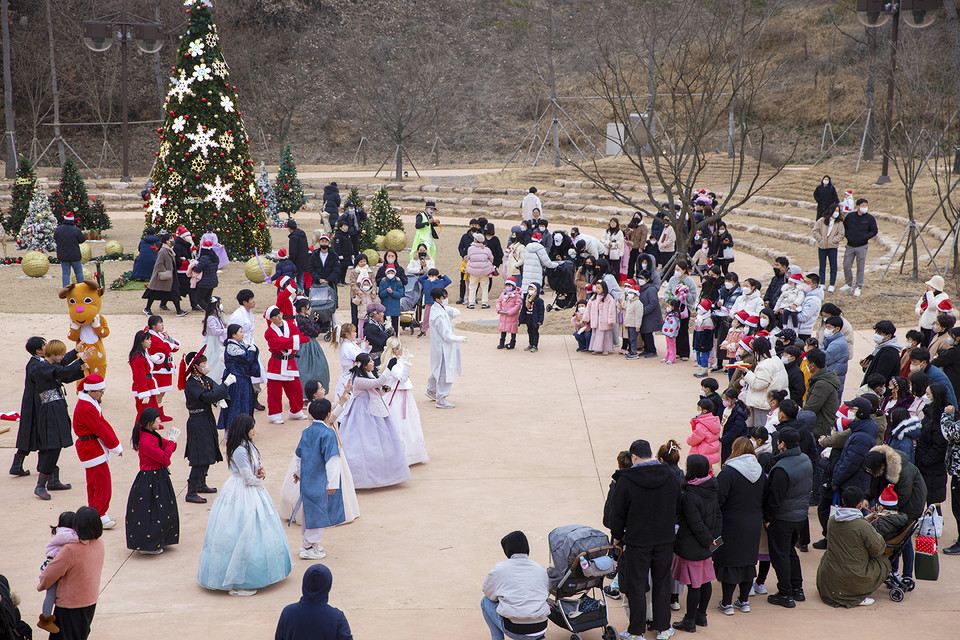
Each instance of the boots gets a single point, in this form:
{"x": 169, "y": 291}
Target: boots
{"x": 41, "y": 490}
{"x": 47, "y": 623}
{"x": 687, "y": 624}
{"x": 54, "y": 484}
{"x": 503, "y": 339}
{"x": 192, "y": 494}
{"x": 513, "y": 341}
{"x": 16, "y": 469}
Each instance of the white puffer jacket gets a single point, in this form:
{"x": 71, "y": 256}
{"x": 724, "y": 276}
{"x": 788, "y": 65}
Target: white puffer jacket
{"x": 769, "y": 375}
{"x": 752, "y": 304}
{"x": 929, "y": 315}
{"x": 534, "y": 261}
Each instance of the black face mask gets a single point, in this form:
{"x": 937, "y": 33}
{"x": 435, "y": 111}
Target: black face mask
{"x": 423, "y": 255}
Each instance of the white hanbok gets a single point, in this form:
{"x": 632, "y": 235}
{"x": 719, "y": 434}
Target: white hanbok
{"x": 403, "y": 409}
{"x": 349, "y": 350}
{"x": 216, "y": 336}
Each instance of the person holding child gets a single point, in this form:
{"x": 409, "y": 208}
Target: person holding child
{"x": 152, "y": 521}
{"x": 61, "y": 535}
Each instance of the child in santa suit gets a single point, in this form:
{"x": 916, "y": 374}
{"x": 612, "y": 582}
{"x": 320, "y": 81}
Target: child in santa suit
{"x": 283, "y": 340}
{"x": 96, "y": 440}
{"x": 286, "y": 295}
{"x": 144, "y": 386}
{"x": 160, "y": 353}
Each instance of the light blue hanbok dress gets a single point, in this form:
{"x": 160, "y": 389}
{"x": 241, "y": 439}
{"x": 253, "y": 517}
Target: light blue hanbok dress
{"x": 245, "y": 546}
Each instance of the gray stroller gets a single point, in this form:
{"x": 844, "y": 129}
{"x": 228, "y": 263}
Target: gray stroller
{"x": 581, "y": 558}
{"x": 323, "y": 302}
{"x": 411, "y": 305}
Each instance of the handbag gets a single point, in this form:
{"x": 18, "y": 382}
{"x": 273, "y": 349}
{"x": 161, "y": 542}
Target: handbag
{"x": 926, "y": 564}
{"x": 165, "y": 275}
{"x": 728, "y": 253}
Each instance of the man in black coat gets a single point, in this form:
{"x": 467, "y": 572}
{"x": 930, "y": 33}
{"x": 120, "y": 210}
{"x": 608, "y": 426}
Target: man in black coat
{"x": 183, "y": 250}
{"x": 298, "y": 251}
{"x": 796, "y": 385}
{"x": 68, "y": 239}
{"x": 781, "y": 271}
{"x": 331, "y": 204}
{"x": 27, "y": 435}
{"x": 324, "y": 264}
{"x": 643, "y": 517}
{"x": 885, "y": 359}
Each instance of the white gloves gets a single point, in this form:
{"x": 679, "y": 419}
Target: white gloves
{"x": 223, "y": 404}
{"x": 74, "y": 325}
{"x": 172, "y": 434}
{"x": 96, "y": 321}
{"x": 230, "y": 379}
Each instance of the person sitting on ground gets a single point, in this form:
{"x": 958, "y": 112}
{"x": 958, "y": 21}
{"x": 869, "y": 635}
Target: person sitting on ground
{"x": 312, "y": 618}
{"x": 853, "y": 565}
{"x": 515, "y": 593}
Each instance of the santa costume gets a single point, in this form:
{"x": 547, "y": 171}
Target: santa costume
{"x": 286, "y": 295}
{"x": 144, "y": 385}
{"x": 160, "y": 354}
{"x": 283, "y": 341}
{"x": 96, "y": 440}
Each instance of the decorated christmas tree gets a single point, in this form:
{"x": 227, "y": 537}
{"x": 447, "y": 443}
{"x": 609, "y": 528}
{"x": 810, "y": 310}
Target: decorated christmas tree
{"x": 23, "y": 188}
{"x": 381, "y": 219}
{"x": 289, "y": 190}
{"x": 36, "y": 233}
{"x": 97, "y": 218}
{"x": 355, "y": 199}
{"x": 204, "y": 173}
{"x": 270, "y": 203}
{"x": 71, "y": 196}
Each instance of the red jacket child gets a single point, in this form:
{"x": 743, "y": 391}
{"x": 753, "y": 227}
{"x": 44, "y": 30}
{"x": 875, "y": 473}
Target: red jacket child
{"x": 160, "y": 353}
{"x": 96, "y": 440}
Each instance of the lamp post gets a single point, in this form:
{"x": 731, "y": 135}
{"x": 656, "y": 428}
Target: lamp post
{"x": 876, "y": 13}
{"x": 124, "y": 27}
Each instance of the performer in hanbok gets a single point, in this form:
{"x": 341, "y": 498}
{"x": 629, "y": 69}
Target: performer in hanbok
{"x": 245, "y": 547}
{"x": 244, "y": 317}
{"x": 28, "y": 438}
{"x": 345, "y": 338}
{"x": 370, "y": 439}
{"x": 96, "y": 440}
{"x": 403, "y": 403}
{"x": 311, "y": 361}
{"x": 152, "y": 521}
{"x": 444, "y": 350}
{"x": 53, "y": 418}
{"x": 243, "y": 361}
{"x": 283, "y": 378}
{"x": 214, "y": 335}
{"x": 163, "y": 345}
{"x": 144, "y": 386}
{"x": 203, "y": 447}
{"x": 318, "y": 472}
{"x": 290, "y": 490}
{"x": 218, "y": 248}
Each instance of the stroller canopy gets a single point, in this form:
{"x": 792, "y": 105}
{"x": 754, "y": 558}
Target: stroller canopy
{"x": 568, "y": 542}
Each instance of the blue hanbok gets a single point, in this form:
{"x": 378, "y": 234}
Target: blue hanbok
{"x": 245, "y": 546}
{"x": 243, "y": 362}
{"x": 319, "y": 455}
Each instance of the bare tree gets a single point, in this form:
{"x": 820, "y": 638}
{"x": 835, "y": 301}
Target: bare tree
{"x": 698, "y": 77}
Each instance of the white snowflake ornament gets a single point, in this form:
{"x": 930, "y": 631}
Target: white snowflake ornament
{"x": 201, "y": 72}
{"x": 226, "y": 103}
{"x": 157, "y": 200}
{"x": 181, "y": 87}
{"x": 202, "y": 140}
{"x": 219, "y": 192}
{"x": 195, "y": 50}
{"x": 179, "y": 124}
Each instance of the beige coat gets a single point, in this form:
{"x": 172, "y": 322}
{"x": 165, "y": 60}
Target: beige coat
{"x": 827, "y": 235}
{"x": 166, "y": 261}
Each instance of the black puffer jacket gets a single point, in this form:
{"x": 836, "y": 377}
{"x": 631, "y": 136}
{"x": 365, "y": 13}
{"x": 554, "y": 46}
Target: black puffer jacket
{"x": 68, "y": 239}
{"x": 699, "y": 519}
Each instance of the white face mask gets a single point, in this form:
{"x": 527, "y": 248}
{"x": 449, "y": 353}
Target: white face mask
{"x": 828, "y": 331}
{"x": 581, "y": 309}
{"x": 916, "y": 367}
{"x": 786, "y": 359}
{"x": 836, "y": 214}
{"x": 728, "y": 285}
{"x": 877, "y": 338}
{"x": 678, "y": 273}
{"x": 764, "y": 322}
{"x": 863, "y": 209}
{"x": 951, "y": 341}
{"x": 826, "y": 182}
{"x": 805, "y": 287}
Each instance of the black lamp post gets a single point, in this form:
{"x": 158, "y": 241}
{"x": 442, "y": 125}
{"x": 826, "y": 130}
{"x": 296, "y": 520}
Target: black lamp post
{"x": 124, "y": 27}
{"x": 876, "y": 13}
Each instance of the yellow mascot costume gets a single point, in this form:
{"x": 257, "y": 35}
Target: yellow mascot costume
{"x": 87, "y": 326}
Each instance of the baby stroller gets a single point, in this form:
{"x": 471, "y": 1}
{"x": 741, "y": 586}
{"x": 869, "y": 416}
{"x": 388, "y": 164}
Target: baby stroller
{"x": 561, "y": 281}
{"x": 898, "y": 585}
{"x": 323, "y": 302}
{"x": 581, "y": 558}
{"x": 411, "y": 305}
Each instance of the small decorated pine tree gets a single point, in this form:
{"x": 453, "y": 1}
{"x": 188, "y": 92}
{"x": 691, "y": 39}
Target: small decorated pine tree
{"x": 71, "y": 196}
{"x": 36, "y": 233}
{"x": 289, "y": 190}
{"x": 385, "y": 217}
{"x": 355, "y": 199}
{"x": 97, "y": 218}
{"x": 23, "y": 188}
{"x": 270, "y": 203}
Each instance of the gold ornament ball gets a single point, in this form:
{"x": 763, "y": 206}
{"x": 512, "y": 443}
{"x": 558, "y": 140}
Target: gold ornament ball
{"x": 87, "y": 275}
{"x": 112, "y": 246}
{"x": 379, "y": 240}
{"x": 35, "y": 264}
{"x": 252, "y": 270}
{"x": 85, "y": 253}
{"x": 395, "y": 239}
{"x": 372, "y": 257}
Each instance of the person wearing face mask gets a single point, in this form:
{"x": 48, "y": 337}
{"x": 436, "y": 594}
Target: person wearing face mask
{"x": 768, "y": 375}
{"x": 465, "y": 241}
{"x": 812, "y": 301}
{"x": 858, "y": 229}
{"x": 829, "y": 310}
{"x": 636, "y": 237}
{"x": 931, "y": 450}
{"x": 825, "y": 195}
{"x": 948, "y": 360}
{"x": 734, "y": 419}
{"x": 652, "y": 319}
{"x": 202, "y": 447}
{"x": 788, "y": 305}
{"x": 331, "y": 203}
{"x": 613, "y": 240}
{"x": 514, "y": 257}
{"x": 535, "y": 261}
{"x": 682, "y": 287}
{"x": 781, "y": 271}
{"x": 324, "y": 264}
{"x": 591, "y": 245}
{"x": 940, "y": 336}
{"x": 828, "y": 233}
{"x": 929, "y": 306}
{"x": 885, "y": 359}
{"x": 584, "y": 276}
{"x": 283, "y": 378}
{"x": 424, "y": 224}
{"x": 835, "y": 348}
{"x": 581, "y": 326}
{"x": 920, "y": 361}
{"x": 723, "y": 315}
{"x": 796, "y": 386}
{"x": 823, "y": 393}
{"x": 666, "y": 245}
{"x": 214, "y": 331}
{"x": 721, "y": 248}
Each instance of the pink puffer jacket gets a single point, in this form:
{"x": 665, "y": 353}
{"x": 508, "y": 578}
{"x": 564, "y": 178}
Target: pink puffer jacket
{"x": 479, "y": 260}
{"x": 705, "y": 437}
{"x": 508, "y": 306}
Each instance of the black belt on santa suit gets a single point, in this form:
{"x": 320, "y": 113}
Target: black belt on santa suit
{"x": 276, "y": 357}
{"x": 289, "y": 317}
{"x": 86, "y": 438}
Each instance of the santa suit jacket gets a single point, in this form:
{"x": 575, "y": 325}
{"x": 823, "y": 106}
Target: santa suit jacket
{"x": 285, "y": 298}
{"x": 283, "y": 342}
{"x": 160, "y": 351}
{"x": 96, "y": 439}
{"x": 144, "y": 385}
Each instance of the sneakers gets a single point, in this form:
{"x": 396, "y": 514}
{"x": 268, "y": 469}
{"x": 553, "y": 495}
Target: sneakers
{"x": 820, "y": 544}
{"x": 830, "y": 289}
{"x": 611, "y": 593}
{"x": 626, "y": 635}
{"x": 299, "y": 415}
{"x": 675, "y": 606}
{"x": 953, "y": 550}
{"x": 182, "y": 313}
{"x": 633, "y": 356}
{"x": 108, "y": 522}
{"x": 781, "y": 601}
{"x": 313, "y": 553}
{"x": 275, "y": 420}
{"x": 665, "y": 634}
{"x": 846, "y": 287}
{"x": 430, "y": 394}
{"x": 866, "y": 602}
{"x": 443, "y": 403}
{"x": 725, "y": 609}
{"x": 534, "y": 349}
{"x": 758, "y": 589}
{"x": 744, "y": 607}
{"x": 799, "y": 596}
{"x": 471, "y": 306}
{"x": 856, "y": 292}
{"x": 147, "y": 312}
{"x": 484, "y": 306}
{"x": 528, "y": 348}
{"x": 242, "y": 592}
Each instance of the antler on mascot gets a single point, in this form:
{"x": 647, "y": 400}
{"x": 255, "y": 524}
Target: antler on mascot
{"x": 87, "y": 326}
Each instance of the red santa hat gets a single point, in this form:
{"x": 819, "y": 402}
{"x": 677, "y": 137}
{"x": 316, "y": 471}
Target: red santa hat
{"x": 746, "y": 342}
{"x": 631, "y": 288}
{"x": 182, "y": 232}
{"x": 510, "y": 281}
{"x": 283, "y": 282}
{"x": 752, "y": 321}
{"x": 207, "y": 244}
{"x": 92, "y": 382}
{"x": 743, "y": 316}
{"x": 763, "y": 333}
{"x": 68, "y": 216}
{"x": 705, "y": 304}
{"x": 323, "y": 236}
{"x": 537, "y": 237}
{"x": 391, "y": 269}
{"x": 944, "y": 306}
{"x": 266, "y": 314}
{"x": 282, "y": 253}
{"x": 888, "y": 497}
{"x": 796, "y": 278}
{"x": 848, "y": 192}
{"x": 845, "y": 415}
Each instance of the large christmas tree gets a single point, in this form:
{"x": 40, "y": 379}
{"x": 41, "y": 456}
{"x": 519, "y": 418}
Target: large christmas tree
{"x": 289, "y": 190}
{"x": 383, "y": 217}
{"x": 204, "y": 173}
{"x": 270, "y": 203}
{"x": 36, "y": 233}
{"x": 23, "y": 188}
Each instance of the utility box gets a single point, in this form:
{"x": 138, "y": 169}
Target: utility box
{"x": 617, "y": 139}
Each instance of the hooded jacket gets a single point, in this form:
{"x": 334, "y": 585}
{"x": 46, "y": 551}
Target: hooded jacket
{"x": 699, "y": 520}
{"x": 735, "y": 427}
{"x": 740, "y": 486}
{"x": 652, "y": 318}
{"x": 903, "y": 437}
{"x": 68, "y": 239}
{"x": 643, "y": 512}
{"x": 705, "y": 437}
{"x": 299, "y": 250}
{"x": 906, "y": 481}
{"x": 849, "y": 470}
{"x": 885, "y": 361}
{"x": 837, "y": 352}
{"x": 313, "y": 618}
{"x": 534, "y": 261}
{"x": 146, "y": 256}
{"x": 769, "y": 375}
{"x": 331, "y": 199}
{"x": 810, "y": 310}
{"x": 823, "y": 398}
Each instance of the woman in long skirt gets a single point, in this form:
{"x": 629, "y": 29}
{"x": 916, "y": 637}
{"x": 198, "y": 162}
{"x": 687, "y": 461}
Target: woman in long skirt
{"x": 290, "y": 492}
{"x": 402, "y": 402}
{"x": 152, "y": 519}
{"x": 243, "y": 361}
{"x": 371, "y": 442}
{"x": 245, "y": 547}
{"x": 345, "y": 337}
{"x": 311, "y": 361}
{"x": 214, "y": 335}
